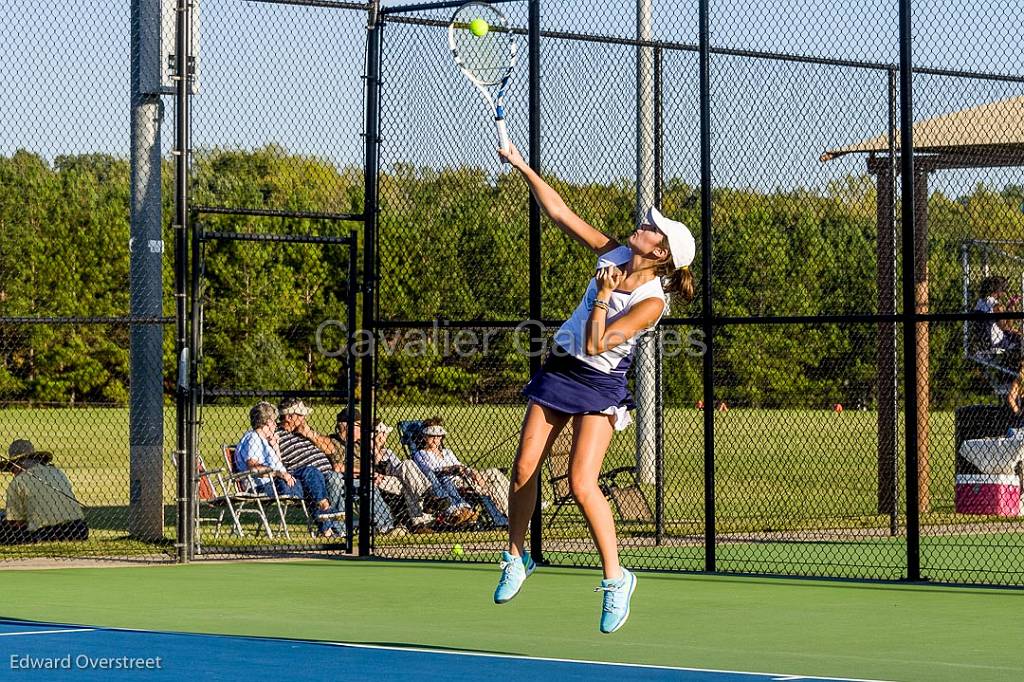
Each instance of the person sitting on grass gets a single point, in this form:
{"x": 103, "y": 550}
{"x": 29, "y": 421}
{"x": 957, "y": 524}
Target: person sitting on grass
{"x": 259, "y": 452}
{"x": 41, "y": 506}
{"x": 434, "y": 458}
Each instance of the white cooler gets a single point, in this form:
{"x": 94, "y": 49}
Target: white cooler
{"x": 994, "y": 455}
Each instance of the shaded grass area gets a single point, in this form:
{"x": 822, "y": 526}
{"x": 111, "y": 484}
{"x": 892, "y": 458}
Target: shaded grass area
{"x": 804, "y": 627}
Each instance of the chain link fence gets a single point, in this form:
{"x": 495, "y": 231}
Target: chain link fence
{"x": 774, "y": 412}
{"x": 802, "y": 462}
{"x": 84, "y": 342}
{"x": 277, "y": 203}
{"x": 90, "y": 368}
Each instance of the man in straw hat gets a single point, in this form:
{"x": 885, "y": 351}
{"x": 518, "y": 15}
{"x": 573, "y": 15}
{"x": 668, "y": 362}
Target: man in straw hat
{"x": 41, "y": 505}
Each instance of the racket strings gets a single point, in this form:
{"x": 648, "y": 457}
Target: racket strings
{"x": 486, "y": 58}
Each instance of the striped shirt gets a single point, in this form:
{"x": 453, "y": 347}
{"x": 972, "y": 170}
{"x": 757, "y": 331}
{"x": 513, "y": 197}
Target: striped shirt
{"x": 298, "y": 452}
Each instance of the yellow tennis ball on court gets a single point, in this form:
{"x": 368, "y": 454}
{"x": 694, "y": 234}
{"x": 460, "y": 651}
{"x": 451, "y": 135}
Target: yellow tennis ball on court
{"x": 457, "y": 551}
{"x": 479, "y": 27}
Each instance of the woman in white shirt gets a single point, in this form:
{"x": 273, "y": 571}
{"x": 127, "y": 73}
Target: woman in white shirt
{"x": 443, "y": 468}
{"x": 584, "y": 380}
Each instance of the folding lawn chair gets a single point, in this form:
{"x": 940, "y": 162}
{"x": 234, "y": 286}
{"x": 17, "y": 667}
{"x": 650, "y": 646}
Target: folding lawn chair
{"x": 623, "y": 489}
{"x": 220, "y": 502}
{"x": 409, "y": 435}
{"x": 245, "y": 487}
{"x": 620, "y": 486}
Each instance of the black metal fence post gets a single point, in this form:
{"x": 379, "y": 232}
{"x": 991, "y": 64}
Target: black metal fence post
{"x": 195, "y": 322}
{"x": 351, "y": 338}
{"x": 536, "y": 311}
{"x": 659, "y": 346}
{"x": 909, "y": 317}
{"x": 706, "y": 309}
{"x": 186, "y": 440}
{"x": 375, "y": 29}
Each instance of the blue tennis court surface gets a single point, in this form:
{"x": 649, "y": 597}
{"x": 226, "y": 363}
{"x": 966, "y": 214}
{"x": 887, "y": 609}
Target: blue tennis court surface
{"x": 33, "y": 650}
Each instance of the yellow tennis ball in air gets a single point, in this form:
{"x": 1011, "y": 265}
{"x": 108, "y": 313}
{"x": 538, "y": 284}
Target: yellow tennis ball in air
{"x": 457, "y": 551}
{"x": 479, "y": 27}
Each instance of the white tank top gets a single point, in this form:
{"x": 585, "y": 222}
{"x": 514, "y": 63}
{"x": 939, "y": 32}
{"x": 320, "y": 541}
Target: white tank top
{"x": 571, "y": 335}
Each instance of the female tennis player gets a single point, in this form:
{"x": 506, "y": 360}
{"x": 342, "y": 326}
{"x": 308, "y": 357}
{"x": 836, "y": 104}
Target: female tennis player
{"x": 583, "y": 380}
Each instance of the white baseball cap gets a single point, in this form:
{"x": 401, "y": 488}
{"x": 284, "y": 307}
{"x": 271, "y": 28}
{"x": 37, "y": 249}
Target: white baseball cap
{"x": 680, "y": 241}
{"x": 293, "y": 406}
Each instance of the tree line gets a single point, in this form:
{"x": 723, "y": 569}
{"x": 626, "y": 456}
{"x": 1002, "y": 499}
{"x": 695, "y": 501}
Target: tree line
{"x": 453, "y": 246}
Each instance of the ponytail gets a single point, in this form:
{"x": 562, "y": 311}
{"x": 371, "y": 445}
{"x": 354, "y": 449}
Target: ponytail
{"x": 678, "y": 281}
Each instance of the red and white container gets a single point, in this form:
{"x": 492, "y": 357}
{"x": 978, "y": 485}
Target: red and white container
{"x": 988, "y": 494}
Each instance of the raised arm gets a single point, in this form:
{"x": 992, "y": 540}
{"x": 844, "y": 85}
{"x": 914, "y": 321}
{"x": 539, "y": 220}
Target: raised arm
{"x": 555, "y": 207}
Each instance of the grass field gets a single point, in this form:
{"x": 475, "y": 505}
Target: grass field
{"x": 795, "y": 489}
{"x": 784, "y": 464}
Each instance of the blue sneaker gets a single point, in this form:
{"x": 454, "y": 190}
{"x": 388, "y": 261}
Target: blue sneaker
{"x": 514, "y": 571}
{"x": 617, "y": 594}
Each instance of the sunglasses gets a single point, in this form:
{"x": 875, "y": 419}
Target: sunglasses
{"x": 647, "y": 227}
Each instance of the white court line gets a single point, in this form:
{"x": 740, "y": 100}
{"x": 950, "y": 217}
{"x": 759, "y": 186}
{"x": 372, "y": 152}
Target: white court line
{"x": 773, "y": 676}
{"x": 45, "y": 632}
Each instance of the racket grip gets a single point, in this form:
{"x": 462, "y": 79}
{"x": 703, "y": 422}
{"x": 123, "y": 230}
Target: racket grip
{"x": 503, "y": 140}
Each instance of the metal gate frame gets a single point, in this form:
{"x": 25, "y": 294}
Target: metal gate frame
{"x": 196, "y": 392}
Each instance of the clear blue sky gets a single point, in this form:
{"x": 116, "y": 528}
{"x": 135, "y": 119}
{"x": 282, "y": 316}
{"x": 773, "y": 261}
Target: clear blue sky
{"x": 271, "y": 73}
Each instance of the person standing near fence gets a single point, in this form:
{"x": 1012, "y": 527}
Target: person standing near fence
{"x": 583, "y": 380}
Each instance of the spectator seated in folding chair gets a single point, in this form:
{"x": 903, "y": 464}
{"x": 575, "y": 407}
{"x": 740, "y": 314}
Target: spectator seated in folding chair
{"x": 995, "y": 345}
{"x": 403, "y": 485}
{"x": 458, "y": 482}
{"x": 389, "y": 487}
{"x": 259, "y": 454}
{"x": 619, "y": 485}
{"x": 304, "y": 454}
{"x": 453, "y": 511}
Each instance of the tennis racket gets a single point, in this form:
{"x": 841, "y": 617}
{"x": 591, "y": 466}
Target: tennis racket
{"x": 484, "y": 49}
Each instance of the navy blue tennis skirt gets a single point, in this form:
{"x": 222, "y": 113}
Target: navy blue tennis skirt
{"x": 569, "y": 385}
